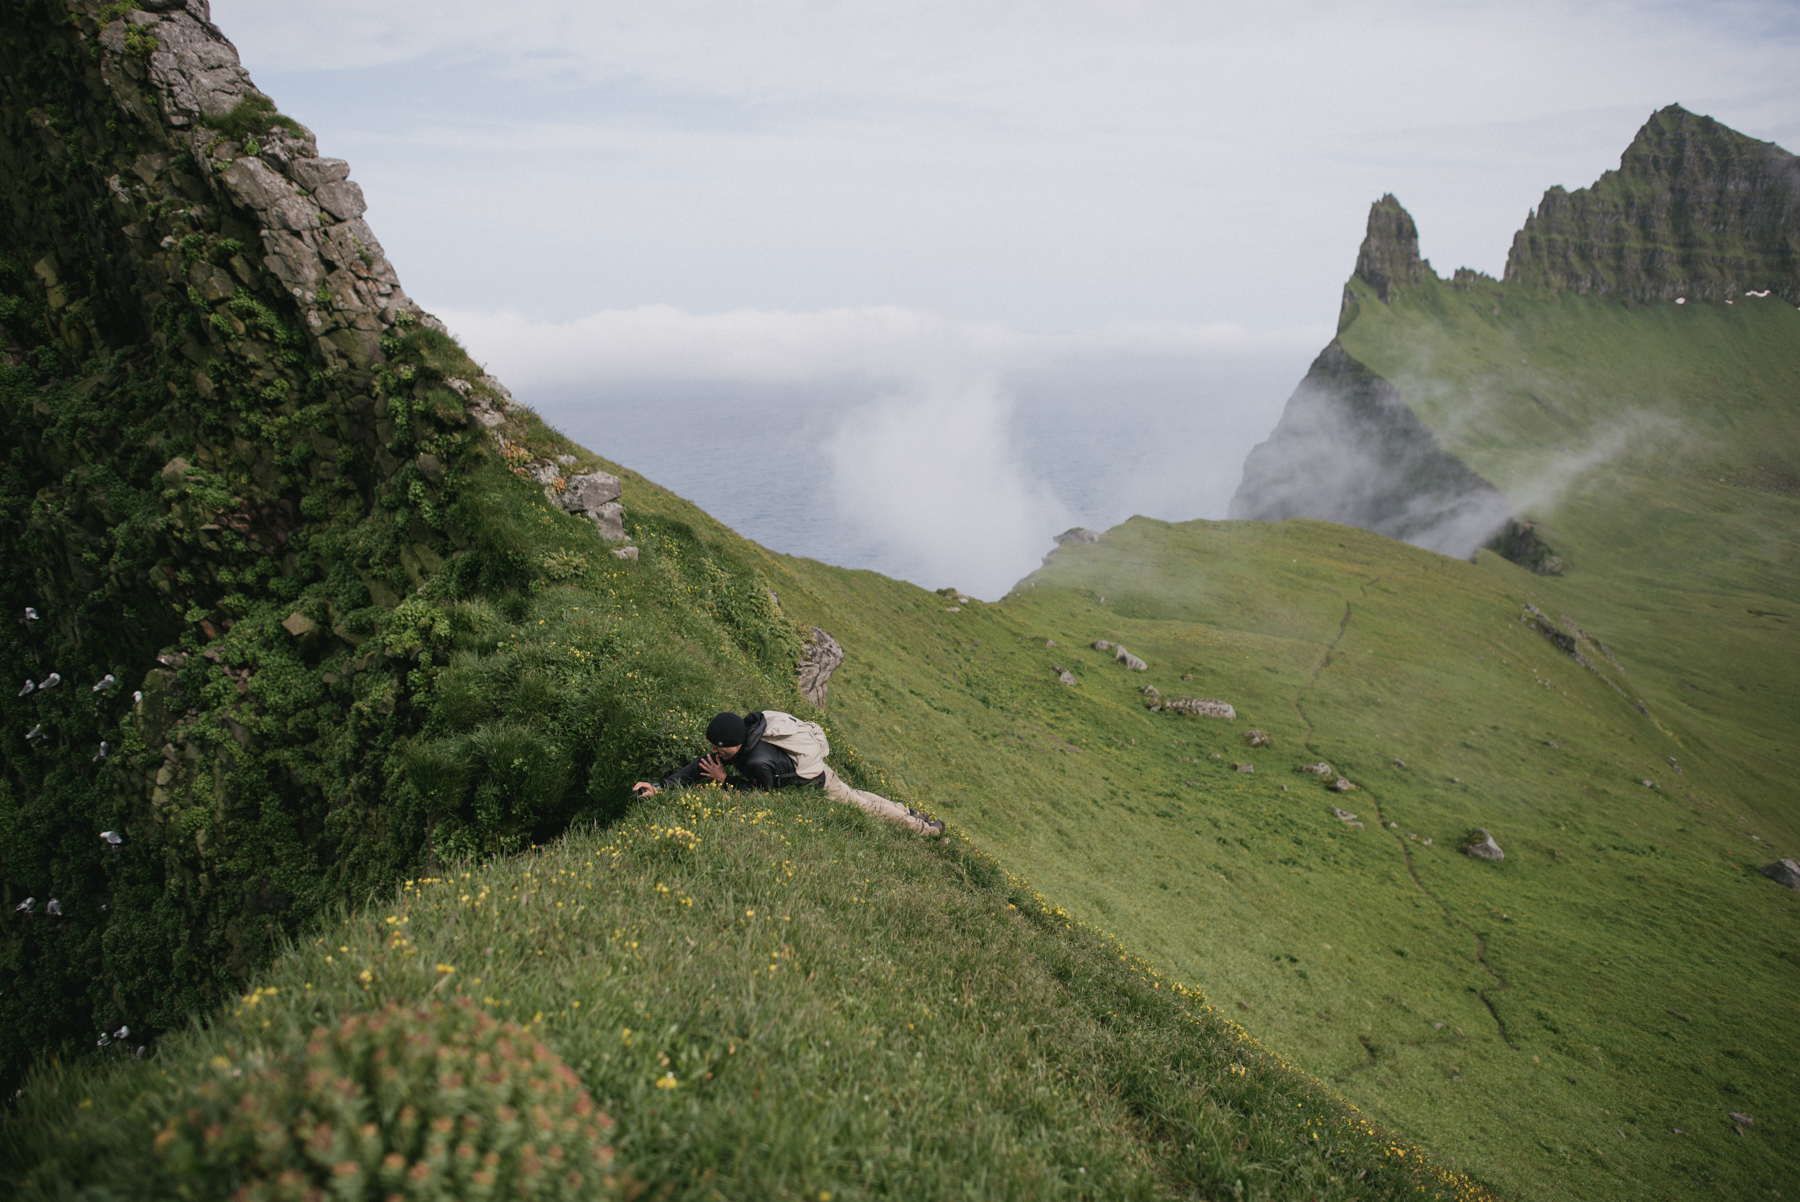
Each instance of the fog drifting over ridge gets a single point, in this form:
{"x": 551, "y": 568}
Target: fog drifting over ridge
{"x": 887, "y": 438}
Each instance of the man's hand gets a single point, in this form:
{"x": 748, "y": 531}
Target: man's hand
{"x": 715, "y": 771}
{"x": 645, "y": 789}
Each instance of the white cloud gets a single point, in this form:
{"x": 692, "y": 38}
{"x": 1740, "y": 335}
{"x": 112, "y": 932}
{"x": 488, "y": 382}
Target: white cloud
{"x": 889, "y": 343}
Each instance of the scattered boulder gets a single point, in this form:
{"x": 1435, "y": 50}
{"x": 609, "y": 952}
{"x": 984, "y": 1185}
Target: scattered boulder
{"x": 589, "y": 491}
{"x": 1346, "y": 817}
{"x": 1102, "y": 645}
{"x": 1340, "y": 785}
{"x": 1187, "y": 676}
{"x": 299, "y": 625}
{"x": 1063, "y": 674}
{"x": 1078, "y": 534}
{"x": 1740, "y": 1118}
{"x": 626, "y": 553}
{"x": 1319, "y": 769}
{"x": 1200, "y": 707}
{"x": 1246, "y": 768}
{"x": 1150, "y": 691}
{"x": 1256, "y": 738}
{"x": 1784, "y": 872}
{"x": 820, "y": 659}
{"x": 610, "y": 519}
{"x": 1481, "y": 845}
{"x": 1132, "y": 663}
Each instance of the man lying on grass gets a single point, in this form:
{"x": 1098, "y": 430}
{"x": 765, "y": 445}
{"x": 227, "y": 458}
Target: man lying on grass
{"x": 770, "y": 750}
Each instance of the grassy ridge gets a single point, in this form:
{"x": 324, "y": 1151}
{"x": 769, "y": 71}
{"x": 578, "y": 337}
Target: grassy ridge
{"x": 790, "y": 1002}
{"x": 1381, "y": 963}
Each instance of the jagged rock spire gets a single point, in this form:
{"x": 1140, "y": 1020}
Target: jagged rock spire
{"x": 1695, "y": 209}
{"x": 1390, "y": 249}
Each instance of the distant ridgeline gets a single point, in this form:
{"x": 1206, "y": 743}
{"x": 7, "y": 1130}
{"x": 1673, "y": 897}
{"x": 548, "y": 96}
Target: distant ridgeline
{"x": 255, "y": 504}
{"x": 1696, "y": 213}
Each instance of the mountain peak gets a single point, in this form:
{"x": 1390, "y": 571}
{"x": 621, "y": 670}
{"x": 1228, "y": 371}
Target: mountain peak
{"x": 1390, "y": 249}
{"x": 1694, "y": 209}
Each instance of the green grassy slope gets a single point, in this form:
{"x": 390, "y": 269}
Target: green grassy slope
{"x": 1639, "y": 965}
{"x": 791, "y": 1002}
{"x": 1681, "y": 525}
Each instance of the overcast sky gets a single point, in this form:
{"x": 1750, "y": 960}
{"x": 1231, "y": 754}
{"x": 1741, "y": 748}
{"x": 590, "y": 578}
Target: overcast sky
{"x": 704, "y": 189}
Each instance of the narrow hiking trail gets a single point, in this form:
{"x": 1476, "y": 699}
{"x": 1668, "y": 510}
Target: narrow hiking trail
{"x": 1500, "y": 984}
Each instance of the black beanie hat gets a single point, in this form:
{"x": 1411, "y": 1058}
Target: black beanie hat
{"x": 726, "y": 730}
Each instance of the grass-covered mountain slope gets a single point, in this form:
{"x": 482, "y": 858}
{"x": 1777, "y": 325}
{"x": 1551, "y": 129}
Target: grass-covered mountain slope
{"x": 782, "y": 1002}
{"x": 273, "y": 552}
{"x": 1547, "y": 1020}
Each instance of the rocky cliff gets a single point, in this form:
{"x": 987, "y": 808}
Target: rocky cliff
{"x": 235, "y": 500}
{"x": 1347, "y": 449}
{"x": 1695, "y": 210}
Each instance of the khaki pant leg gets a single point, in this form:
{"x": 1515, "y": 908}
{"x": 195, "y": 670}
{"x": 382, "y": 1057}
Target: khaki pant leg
{"x": 872, "y": 803}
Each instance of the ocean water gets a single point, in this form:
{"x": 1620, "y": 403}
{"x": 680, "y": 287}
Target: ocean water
{"x": 963, "y": 482}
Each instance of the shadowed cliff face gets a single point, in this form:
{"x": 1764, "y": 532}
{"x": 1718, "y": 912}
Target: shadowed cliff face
{"x": 229, "y": 450}
{"x": 1347, "y": 449}
{"x": 1695, "y": 210}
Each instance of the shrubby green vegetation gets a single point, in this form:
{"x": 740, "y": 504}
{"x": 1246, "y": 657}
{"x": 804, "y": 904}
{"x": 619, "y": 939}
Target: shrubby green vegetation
{"x": 772, "y": 997}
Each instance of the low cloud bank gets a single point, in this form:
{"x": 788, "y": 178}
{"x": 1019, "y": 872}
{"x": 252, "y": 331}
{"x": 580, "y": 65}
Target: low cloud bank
{"x": 937, "y": 451}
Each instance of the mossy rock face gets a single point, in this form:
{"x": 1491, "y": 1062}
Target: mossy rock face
{"x": 1695, "y": 210}
{"x": 246, "y": 474}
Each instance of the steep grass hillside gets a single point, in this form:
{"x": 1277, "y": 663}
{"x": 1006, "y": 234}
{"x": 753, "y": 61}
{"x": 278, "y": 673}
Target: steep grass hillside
{"x": 774, "y": 999}
{"x": 1549, "y": 1021}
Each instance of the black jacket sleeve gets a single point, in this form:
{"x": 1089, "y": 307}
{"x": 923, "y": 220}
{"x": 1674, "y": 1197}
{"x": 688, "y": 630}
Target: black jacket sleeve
{"x": 690, "y": 775}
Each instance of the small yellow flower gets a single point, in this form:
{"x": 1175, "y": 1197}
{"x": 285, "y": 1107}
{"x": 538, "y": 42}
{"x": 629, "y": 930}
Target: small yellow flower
{"x": 666, "y": 1081}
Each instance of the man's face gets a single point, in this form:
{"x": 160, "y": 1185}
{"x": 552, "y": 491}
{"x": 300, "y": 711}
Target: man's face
{"x": 725, "y": 753}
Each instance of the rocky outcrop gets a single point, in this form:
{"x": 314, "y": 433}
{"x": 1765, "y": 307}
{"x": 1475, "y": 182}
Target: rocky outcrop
{"x": 595, "y": 495}
{"x": 1520, "y": 542}
{"x": 1695, "y": 210}
{"x": 1347, "y": 449}
{"x": 1078, "y": 534}
{"x": 1389, "y": 254}
{"x": 822, "y": 657}
{"x": 1783, "y": 872}
{"x": 1199, "y": 707}
{"x": 1481, "y": 845}
{"x": 240, "y": 456}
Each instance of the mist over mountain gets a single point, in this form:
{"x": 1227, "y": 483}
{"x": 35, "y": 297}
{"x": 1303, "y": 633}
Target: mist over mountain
{"x": 1696, "y": 213}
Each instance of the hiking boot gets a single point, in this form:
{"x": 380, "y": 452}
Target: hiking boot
{"x": 932, "y": 829}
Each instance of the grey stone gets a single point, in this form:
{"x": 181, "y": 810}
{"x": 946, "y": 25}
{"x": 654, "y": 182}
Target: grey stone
{"x": 343, "y": 200}
{"x": 586, "y": 493}
{"x": 610, "y": 520}
{"x": 1340, "y": 785}
{"x": 626, "y": 553}
{"x": 1784, "y": 872}
{"x": 1319, "y": 769}
{"x": 822, "y": 657}
{"x": 1256, "y": 738}
{"x": 1063, "y": 674}
{"x": 255, "y": 186}
{"x": 1246, "y": 768}
{"x": 1132, "y": 663}
{"x": 1481, "y": 845}
{"x": 313, "y": 174}
{"x": 1198, "y": 707}
{"x": 1151, "y": 691}
{"x": 1102, "y": 645}
{"x": 1078, "y": 534}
